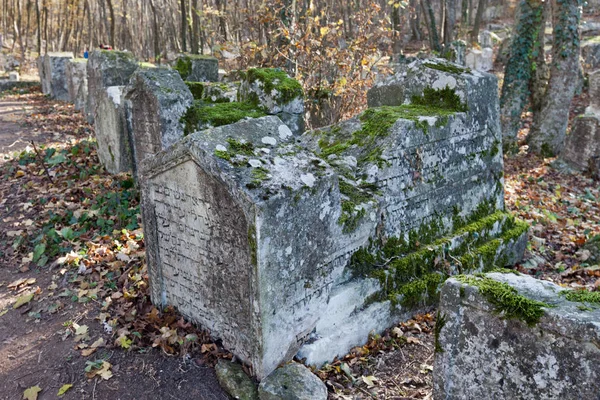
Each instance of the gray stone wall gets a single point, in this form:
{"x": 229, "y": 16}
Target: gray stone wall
{"x": 483, "y": 355}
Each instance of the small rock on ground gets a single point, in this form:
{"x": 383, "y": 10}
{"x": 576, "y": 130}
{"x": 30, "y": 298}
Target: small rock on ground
{"x": 234, "y": 381}
{"x": 292, "y": 382}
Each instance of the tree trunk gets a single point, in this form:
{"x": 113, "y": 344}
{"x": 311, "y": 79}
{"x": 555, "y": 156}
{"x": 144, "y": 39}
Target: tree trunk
{"x": 517, "y": 74}
{"x": 155, "y": 28}
{"x": 450, "y": 19}
{"x": 39, "y": 26}
{"x": 540, "y": 70}
{"x": 549, "y": 128}
{"x": 111, "y": 11}
{"x": 195, "y": 27}
{"x": 431, "y": 26}
{"x": 477, "y": 24}
{"x": 183, "y": 26}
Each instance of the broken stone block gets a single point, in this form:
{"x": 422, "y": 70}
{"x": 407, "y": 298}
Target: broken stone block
{"x": 283, "y": 245}
{"x": 197, "y": 68}
{"x": 583, "y": 142}
{"x": 14, "y": 76}
{"x": 114, "y": 149}
{"x": 290, "y": 382}
{"x": 155, "y": 101}
{"x": 473, "y": 59}
{"x": 510, "y": 336}
{"x": 107, "y": 68}
{"x": 77, "y": 82}
{"x": 275, "y": 91}
{"x": 55, "y": 65}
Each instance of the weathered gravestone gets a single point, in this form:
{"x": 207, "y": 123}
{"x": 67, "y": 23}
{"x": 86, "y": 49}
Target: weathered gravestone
{"x": 107, "y": 68}
{"x": 277, "y": 93}
{"x": 278, "y": 244}
{"x": 77, "y": 82}
{"x": 197, "y": 68}
{"x": 44, "y": 79}
{"x": 590, "y": 52}
{"x": 155, "y": 101}
{"x": 55, "y": 75}
{"x": 582, "y": 145}
{"x": 508, "y": 336}
{"x": 114, "y": 149}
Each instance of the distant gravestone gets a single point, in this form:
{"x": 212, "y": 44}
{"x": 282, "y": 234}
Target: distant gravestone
{"x": 489, "y": 348}
{"x": 590, "y": 52}
{"x": 44, "y": 79}
{"x": 582, "y": 144}
{"x": 197, "y": 68}
{"x": 107, "y": 68}
{"x": 156, "y": 99}
{"x": 114, "y": 149}
{"x": 282, "y": 245}
{"x": 77, "y": 82}
{"x": 14, "y": 76}
{"x": 55, "y": 74}
{"x": 275, "y": 91}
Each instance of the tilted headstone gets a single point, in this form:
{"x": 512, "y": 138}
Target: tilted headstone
{"x": 507, "y": 336}
{"x": 107, "y": 68}
{"x": 77, "y": 82}
{"x": 55, "y": 72}
{"x": 279, "y": 94}
{"x": 286, "y": 246}
{"x": 155, "y": 101}
{"x": 114, "y": 149}
{"x": 197, "y": 68}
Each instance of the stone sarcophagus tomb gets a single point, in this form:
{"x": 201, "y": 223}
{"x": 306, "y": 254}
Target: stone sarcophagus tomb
{"x": 53, "y": 74}
{"x": 284, "y": 245}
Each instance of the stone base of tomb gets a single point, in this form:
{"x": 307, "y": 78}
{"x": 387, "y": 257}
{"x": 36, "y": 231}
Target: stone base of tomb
{"x": 393, "y": 293}
{"x": 546, "y": 347}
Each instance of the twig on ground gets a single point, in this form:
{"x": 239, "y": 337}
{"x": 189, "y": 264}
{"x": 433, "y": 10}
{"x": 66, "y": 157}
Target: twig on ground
{"x": 42, "y": 161}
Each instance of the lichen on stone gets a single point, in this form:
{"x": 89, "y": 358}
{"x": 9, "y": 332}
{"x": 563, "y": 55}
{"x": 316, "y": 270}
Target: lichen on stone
{"x": 505, "y": 299}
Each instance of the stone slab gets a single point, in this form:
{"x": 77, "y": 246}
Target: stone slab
{"x": 114, "y": 148}
{"x": 197, "y": 68}
{"x": 156, "y": 99}
{"x": 77, "y": 82}
{"x": 481, "y": 355}
{"x": 107, "y": 68}
{"x": 55, "y": 72}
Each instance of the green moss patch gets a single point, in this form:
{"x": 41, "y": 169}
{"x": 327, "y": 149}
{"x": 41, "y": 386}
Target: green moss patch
{"x": 217, "y": 114}
{"x": 376, "y": 123}
{"x": 197, "y": 88}
{"x": 581, "y": 296}
{"x": 506, "y": 300}
{"x": 271, "y": 78}
{"x": 411, "y": 268}
{"x": 447, "y": 67}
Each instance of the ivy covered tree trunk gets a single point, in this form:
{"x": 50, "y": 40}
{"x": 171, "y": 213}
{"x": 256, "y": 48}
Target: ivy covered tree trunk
{"x": 540, "y": 69}
{"x": 549, "y": 128}
{"x": 518, "y": 71}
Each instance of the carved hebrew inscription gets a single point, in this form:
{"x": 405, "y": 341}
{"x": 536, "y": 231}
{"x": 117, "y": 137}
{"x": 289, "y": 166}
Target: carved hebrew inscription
{"x": 203, "y": 251}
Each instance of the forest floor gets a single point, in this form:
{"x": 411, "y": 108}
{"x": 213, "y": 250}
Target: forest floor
{"x": 74, "y": 308}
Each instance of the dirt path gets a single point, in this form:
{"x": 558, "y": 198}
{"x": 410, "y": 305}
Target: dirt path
{"x": 38, "y": 341}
